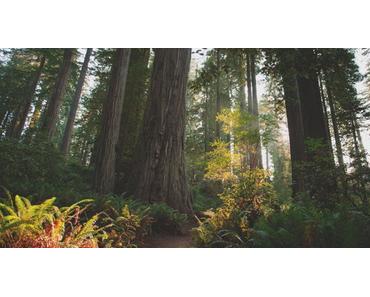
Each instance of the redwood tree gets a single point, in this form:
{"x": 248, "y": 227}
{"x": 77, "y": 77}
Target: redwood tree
{"x": 160, "y": 175}
{"x": 132, "y": 114}
{"x": 74, "y": 105}
{"x": 21, "y": 116}
{"x": 51, "y": 115}
{"x": 104, "y": 177}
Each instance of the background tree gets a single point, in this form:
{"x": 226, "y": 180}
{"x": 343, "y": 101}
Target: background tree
{"x": 74, "y": 105}
{"x": 104, "y": 175}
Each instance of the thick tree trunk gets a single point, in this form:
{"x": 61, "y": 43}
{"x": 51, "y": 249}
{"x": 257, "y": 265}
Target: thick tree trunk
{"x": 21, "y": 117}
{"x": 317, "y": 147}
{"x": 132, "y": 114}
{"x": 74, "y": 105}
{"x": 160, "y": 175}
{"x": 51, "y": 115}
{"x": 309, "y": 93}
{"x": 104, "y": 176}
{"x": 294, "y": 117}
{"x": 256, "y": 157}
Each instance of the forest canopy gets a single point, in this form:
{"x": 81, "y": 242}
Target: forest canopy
{"x": 205, "y": 147}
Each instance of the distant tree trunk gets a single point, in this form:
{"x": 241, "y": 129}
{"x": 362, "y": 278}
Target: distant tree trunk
{"x": 249, "y": 85}
{"x": 338, "y": 144}
{"x": 104, "y": 176}
{"x": 205, "y": 122}
{"x": 294, "y": 117}
{"x": 74, "y": 105}
{"x": 218, "y": 93}
{"x": 160, "y": 175}
{"x": 256, "y": 157}
{"x": 35, "y": 118}
{"x": 242, "y": 82}
{"x": 51, "y": 115}
{"x": 21, "y": 116}
{"x": 334, "y": 120}
{"x": 326, "y": 117}
{"x": 132, "y": 114}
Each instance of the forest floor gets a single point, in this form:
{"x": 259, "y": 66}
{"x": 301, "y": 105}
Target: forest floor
{"x": 183, "y": 240}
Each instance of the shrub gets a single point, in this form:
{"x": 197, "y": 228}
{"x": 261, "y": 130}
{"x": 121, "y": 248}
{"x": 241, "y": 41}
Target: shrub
{"x": 129, "y": 226}
{"x": 39, "y": 170}
{"x": 167, "y": 219}
{"x": 45, "y": 225}
{"x": 243, "y": 202}
{"x": 202, "y": 202}
{"x": 132, "y": 220}
{"x": 305, "y": 225}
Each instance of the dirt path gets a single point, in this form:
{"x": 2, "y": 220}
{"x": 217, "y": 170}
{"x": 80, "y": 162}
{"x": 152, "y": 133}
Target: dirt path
{"x": 170, "y": 241}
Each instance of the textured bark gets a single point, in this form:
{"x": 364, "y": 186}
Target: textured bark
{"x": 256, "y": 157}
{"x": 294, "y": 117}
{"x": 132, "y": 114}
{"x": 21, "y": 117}
{"x": 51, "y": 115}
{"x": 67, "y": 136}
{"x": 160, "y": 175}
{"x": 104, "y": 176}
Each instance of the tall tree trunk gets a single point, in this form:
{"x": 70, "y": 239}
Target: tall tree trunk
{"x": 256, "y": 157}
{"x": 338, "y": 144}
{"x": 242, "y": 83}
{"x": 316, "y": 137}
{"x": 21, "y": 117}
{"x": 309, "y": 93}
{"x": 160, "y": 175}
{"x": 218, "y": 93}
{"x": 74, "y": 105}
{"x": 35, "y": 118}
{"x": 104, "y": 176}
{"x": 294, "y": 117}
{"x": 326, "y": 117}
{"x": 205, "y": 122}
{"x": 249, "y": 85}
{"x": 51, "y": 115}
{"x": 132, "y": 114}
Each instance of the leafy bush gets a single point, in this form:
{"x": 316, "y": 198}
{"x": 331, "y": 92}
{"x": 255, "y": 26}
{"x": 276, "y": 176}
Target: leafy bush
{"x": 202, "y": 202}
{"x": 243, "y": 202}
{"x": 132, "y": 220}
{"x": 128, "y": 228}
{"x": 39, "y": 170}
{"x": 304, "y": 225}
{"x": 45, "y": 225}
{"x": 167, "y": 219}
